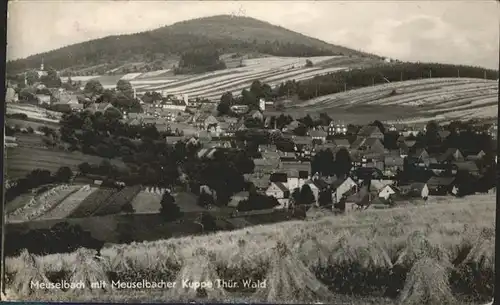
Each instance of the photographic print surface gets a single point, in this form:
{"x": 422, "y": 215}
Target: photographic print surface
{"x": 277, "y": 152}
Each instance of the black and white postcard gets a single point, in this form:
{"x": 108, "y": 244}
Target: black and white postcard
{"x": 312, "y": 152}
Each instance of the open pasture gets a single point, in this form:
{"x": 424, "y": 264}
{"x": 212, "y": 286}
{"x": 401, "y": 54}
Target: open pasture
{"x": 387, "y": 255}
{"x": 440, "y": 99}
{"x": 22, "y": 160}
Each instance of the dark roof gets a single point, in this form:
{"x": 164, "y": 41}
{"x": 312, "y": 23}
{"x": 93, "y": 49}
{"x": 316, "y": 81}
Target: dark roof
{"x": 435, "y": 181}
{"x": 367, "y": 131}
{"x": 447, "y": 154}
{"x": 318, "y": 133}
{"x": 444, "y": 134}
{"x": 469, "y": 166}
{"x": 281, "y": 186}
{"x": 393, "y": 161}
{"x": 320, "y": 183}
{"x": 302, "y": 140}
{"x": 341, "y": 142}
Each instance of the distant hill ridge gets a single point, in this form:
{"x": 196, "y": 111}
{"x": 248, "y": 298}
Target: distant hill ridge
{"x": 162, "y": 47}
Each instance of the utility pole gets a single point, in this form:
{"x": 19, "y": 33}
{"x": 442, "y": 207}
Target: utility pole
{"x": 345, "y": 87}
{"x": 484, "y": 74}
{"x": 401, "y": 76}
{"x": 373, "y": 81}
{"x": 458, "y": 72}
{"x": 430, "y": 73}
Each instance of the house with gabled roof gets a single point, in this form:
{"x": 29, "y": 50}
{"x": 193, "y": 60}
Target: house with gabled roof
{"x": 393, "y": 164}
{"x": 256, "y": 114}
{"x": 368, "y": 145}
{"x": 342, "y": 187}
{"x": 450, "y": 155}
{"x": 416, "y": 189}
{"x": 206, "y": 153}
{"x": 370, "y": 131}
{"x": 101, "y": 107}
{"x": 280, "y": 191}
{"x": 474, "y": 154}
{"x": 440, "y": 186}
{"x": 265, "y": 165}
{"x": 318, "y": 135}
{"x": 342, "y": 143}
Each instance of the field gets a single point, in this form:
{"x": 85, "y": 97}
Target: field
{"x": 22, "y": 160}
{"x": 212, "y": 85}
{"x": 432, "y": 254}
{"x": 146, "y": 203}
{"x": 440, "y": 99}
{"x": 67, "y": 206}
{"x": 42, "y": 203}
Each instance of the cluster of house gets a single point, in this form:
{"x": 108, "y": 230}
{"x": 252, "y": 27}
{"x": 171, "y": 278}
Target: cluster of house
{"x": 278, "y": 173}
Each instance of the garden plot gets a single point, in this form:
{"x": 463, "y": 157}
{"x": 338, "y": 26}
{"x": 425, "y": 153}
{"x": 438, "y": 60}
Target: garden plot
{"x": 146, "y": 202}
{"x": 92, "y": 202}
{"x": 41, "y": 204}
{"x": 68, "y": 205}
{"x": 116, "y": 203}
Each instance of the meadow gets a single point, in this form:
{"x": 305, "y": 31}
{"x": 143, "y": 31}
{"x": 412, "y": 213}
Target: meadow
{"x": 22, "y": 160}
{"x": 439, "y": 253}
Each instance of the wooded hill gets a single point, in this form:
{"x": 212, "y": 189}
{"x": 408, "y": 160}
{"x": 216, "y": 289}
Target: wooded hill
{"x": 157, "y": 48}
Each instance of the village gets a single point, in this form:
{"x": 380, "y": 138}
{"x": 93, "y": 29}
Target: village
{"x": 307, "y": 162}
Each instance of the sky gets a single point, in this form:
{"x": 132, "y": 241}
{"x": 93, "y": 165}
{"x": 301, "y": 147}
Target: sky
{"x": 457, "y": 32}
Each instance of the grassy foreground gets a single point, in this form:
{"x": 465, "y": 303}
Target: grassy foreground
{"x": 439, "y": 253}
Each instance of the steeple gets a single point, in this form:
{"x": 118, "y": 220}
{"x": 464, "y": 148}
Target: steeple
{"x": 41, "y": 66}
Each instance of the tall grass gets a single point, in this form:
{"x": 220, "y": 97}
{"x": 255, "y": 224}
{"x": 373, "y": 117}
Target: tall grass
{"x": 385, "y": 253}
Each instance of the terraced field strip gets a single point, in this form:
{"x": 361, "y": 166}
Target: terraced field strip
{"x": 146, "y": 202}
{"x": 68, "y": 205}
{"x": 41, "y": 204}
{"x": 219, "y": 81}
{"x": 235, "y": 88}
{"x": 115, "y": 203}
{"x": 92, "y": 202}
{"x": 193, "y": 79}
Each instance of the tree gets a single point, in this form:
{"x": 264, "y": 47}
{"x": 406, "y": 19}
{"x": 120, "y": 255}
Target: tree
{"x": 208, "y": 222}
{"x": 85, "y": 168}
{"x": 125, "y": 87}
{"x": 343, "y": 163}
{"x": 205, "y": 199}
{"x": 93, "y": 87}
{"x": 380, "y": 126}
{"x": 51, "y": 80}
{"x": 325, "y": 198}
{"x": 64, "y": 174}
{"x": 309, "y": 63}
{"x": 223, "y": 108}
{"x": 169, "y": 210}
{"x": 306, "y": 195}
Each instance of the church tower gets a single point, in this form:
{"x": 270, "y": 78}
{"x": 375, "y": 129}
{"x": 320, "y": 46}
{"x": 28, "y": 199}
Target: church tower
{"x": 41, "y": 66}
